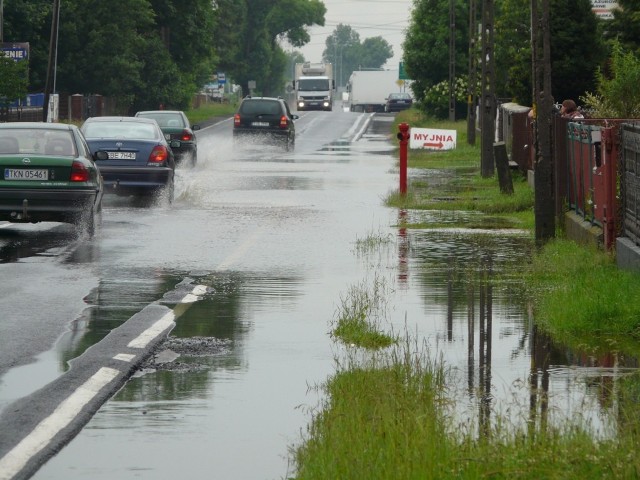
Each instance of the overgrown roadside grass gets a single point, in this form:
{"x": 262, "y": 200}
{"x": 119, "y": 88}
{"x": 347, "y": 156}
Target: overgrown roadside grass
{"x": 390, "y": 420}
{"x": 582, "y": 298}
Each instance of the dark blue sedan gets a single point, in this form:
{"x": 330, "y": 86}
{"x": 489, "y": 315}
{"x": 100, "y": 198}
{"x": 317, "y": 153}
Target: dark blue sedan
{"x": 133, "y": 155}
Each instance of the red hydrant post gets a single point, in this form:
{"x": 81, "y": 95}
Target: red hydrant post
{"x": 403, "y": 136}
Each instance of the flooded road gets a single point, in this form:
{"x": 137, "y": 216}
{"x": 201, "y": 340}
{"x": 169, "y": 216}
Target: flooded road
{"x": 277, "y": 240}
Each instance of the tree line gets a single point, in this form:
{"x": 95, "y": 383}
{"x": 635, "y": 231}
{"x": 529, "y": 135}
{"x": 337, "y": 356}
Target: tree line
{"x": 584, "y": 51}
{"x": 151, "y": 52}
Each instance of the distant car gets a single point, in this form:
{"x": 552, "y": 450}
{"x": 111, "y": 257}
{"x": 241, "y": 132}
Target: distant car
{"x": 177, "y": 129}
{"x": 132, "y": 154}
{"x": 48, "y": 175}
{"x": 265, "y": 119}
{"x": 397, "y": 102}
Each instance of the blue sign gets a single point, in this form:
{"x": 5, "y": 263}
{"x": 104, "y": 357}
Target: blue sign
{"x": 221, "y": 78}
{"x": 17, "y": 51}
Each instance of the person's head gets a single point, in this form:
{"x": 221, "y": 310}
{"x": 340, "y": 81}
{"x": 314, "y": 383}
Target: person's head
{"x": 568, "y": 106}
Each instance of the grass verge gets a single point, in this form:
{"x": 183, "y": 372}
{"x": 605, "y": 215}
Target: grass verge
{"x": 210, "y": 110}
{"x": 390, "y": 420}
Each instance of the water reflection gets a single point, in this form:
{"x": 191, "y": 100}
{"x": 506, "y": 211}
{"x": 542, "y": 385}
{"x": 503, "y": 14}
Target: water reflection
{"x": 470, "y": 281}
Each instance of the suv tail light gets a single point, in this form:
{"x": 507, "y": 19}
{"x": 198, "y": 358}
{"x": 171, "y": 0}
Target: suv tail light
{"x": 236, "y": 120}
{"x": 79, "y": 173}
{"x": 186, "y": 136}
{"x": 159, "y": 154}
{"x": 284, "y": 121}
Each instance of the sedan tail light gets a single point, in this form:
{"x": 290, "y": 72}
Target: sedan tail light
{"x": 284, "y": 121}
{"x": 159, "y": 154}
{"x": 236, "y": 120}
{"x": 186, "y": 136}
{"x": 79, "y": 172}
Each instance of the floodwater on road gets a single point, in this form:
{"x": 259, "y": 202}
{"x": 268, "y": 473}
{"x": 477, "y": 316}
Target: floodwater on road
{"x": 279, "y": 241}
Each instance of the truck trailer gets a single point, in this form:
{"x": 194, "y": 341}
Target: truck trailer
{"x": 369, "y": 89}
{"x": 314, "y": 86}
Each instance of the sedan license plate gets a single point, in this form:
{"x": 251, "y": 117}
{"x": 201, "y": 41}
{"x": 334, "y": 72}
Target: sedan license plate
{"x": 26, "y": 174}
{"x": 121, "y": 155}
{"x": 259, "y": 124}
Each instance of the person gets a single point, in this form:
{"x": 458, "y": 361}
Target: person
{"x": 569, "y": 109}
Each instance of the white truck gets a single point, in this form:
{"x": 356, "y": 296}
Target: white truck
{"x": 369, "y": 89}
{"x": 314, "y": 86}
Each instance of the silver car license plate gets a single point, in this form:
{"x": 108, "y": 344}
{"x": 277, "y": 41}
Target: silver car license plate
{"x": 122, "y": 155}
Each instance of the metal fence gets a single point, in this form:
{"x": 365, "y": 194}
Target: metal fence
{"x": 596, "y": 168}
{"x": 630, "y": 181}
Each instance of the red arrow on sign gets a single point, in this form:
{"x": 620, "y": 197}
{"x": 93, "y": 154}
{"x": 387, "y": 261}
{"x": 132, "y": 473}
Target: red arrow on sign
{"x": 436, "y": 145}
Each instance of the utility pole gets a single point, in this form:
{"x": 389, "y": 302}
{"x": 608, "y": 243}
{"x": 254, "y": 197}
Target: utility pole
{"x": 544, "y": 195}
{"x": 1, "y": 21}
{"x": 53, "y": 46}
{"x": 473, "y": 64}
{"x": 452, "y": 61}
{"x": 488, "y": 104}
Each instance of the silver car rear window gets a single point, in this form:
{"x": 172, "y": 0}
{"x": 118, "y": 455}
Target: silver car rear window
{"x": 124, "y": 130}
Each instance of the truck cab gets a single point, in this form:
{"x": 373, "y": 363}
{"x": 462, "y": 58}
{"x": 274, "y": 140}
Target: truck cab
{"x": 314, "y": 86}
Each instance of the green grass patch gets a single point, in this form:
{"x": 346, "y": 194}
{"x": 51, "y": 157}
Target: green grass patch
{"x": 372, "y": 242}
{"x": 360, "y": 315}
{"x": 580, "y": 295}
{"x": 210, "y": 110}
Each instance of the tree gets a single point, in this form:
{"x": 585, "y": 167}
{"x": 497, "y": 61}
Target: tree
{"x": 147, "y": 52}
{"x": 577, "y": 48}
{"x": 426, "y": 45}
{"x": 259, "y": 29}
{"x": 625, "y": 25}
{"x": 30, "y": 21}
{"x": 13, "y": 80}
{"x": 345, "y": 51}
{"x": 617, "y": 95}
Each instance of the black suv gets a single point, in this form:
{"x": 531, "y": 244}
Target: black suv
{"x": 265, "y": 119}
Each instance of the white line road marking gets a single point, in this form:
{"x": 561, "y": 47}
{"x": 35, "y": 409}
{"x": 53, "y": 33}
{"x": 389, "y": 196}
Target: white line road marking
{"x": 189, "y": 298}
{"x": 242, "y": 248}
{"x": 199, "y": 290}
{"x": 17, "y": 458}
{"x": 125, "y": 357}
{"x": 142, "y": 340}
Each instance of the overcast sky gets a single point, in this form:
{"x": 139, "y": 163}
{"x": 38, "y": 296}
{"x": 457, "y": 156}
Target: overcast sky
{"x": 370, "y": 18}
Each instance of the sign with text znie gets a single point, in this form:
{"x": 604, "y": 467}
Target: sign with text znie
{"x": 432, "y": 139}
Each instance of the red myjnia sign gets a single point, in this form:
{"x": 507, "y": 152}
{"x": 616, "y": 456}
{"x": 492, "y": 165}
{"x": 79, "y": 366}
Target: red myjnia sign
{"x": 432, "y": 139}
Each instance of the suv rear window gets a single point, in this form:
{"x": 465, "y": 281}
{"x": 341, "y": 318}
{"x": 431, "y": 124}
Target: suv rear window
{"x": 265, "y": 107}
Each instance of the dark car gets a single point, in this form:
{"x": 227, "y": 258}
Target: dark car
{"x": 397, "y": 102}
{"x": 265, "y": 119}
{"x": 132, "y": 154}
{"x": 178, "y": 131}
{"x": 48, "y": 175}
